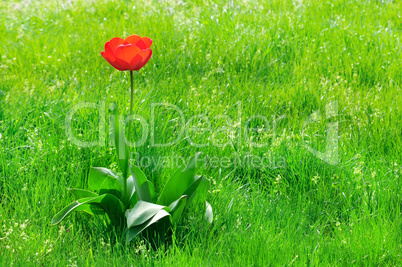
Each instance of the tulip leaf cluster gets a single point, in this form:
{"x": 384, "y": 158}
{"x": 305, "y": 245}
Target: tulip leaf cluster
{"x": 130, "y": 197}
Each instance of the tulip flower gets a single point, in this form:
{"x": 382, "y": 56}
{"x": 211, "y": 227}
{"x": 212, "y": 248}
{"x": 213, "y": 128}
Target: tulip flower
{"x": 129, "y": 54}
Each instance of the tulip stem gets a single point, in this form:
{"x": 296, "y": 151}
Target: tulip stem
{"x": 131, "y": 100}
{"x": 132, "y": 91}
{"x": 129, "y": 126}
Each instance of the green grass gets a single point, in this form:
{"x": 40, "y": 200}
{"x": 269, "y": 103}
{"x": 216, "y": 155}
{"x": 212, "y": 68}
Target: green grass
{"x": 279, "y": 59}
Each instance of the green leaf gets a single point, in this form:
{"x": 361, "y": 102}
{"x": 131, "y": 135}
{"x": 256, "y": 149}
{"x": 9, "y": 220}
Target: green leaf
{"x": 120, "y": 141}
{"x": 177, "y": 208}
{"x": 81, "y": 193}
{"x": 200, "y": 194}
{"x": 152, "y": 192}
{"x": 91, "y": 209}
{"x": 109, "y": 203}
{"x": 97, "y": 175}
{"x": 134, "y": 231}
{"x": 141, "y": 212}
{"x": 192, "y": 189}
{"x": 179, "y": 182}
{"x": 209, "y": 215}
{"x": 64, "y": 212}
{"x": 143, "y": 187}
{"x": 105, "y": 181}
{"x": 133, "y": 201}
{"x": 149, "y": 190}
{"x": 1, "y": 93}
{"x": 130, "y": 190}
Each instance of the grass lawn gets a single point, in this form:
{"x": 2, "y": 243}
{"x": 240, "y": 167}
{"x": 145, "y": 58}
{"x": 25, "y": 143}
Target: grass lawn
{"x": 266, "y": 80}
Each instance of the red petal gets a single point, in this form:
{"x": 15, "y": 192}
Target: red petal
{"x": 126, "y": 52}
{"x": 147, "y": 41}
{"x": 112, "y": 61}
{"x": 141, "y": 45}
{"x": 145, "y": 56}
{"x": 110, "y": 46}
{"x": 133, "y": 39}
{"x": 136, "y": 62}
{"x": 123, "y": 63}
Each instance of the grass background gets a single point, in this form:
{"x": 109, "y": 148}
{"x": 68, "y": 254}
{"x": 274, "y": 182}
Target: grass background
{"x": 279, "y": 59}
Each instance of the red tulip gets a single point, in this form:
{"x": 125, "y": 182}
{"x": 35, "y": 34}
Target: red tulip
{"x": 129, "y": 54}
